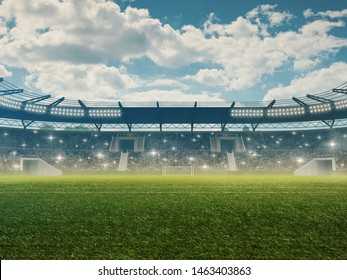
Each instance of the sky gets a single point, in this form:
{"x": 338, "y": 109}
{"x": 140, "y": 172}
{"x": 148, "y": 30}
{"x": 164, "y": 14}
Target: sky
{"x": 161, "y": 50}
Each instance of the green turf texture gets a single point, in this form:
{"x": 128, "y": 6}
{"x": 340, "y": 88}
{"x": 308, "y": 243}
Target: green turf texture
{"x": 177, "y": 217}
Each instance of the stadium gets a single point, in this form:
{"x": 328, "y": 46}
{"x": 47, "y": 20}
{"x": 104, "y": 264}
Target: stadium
{"x": 173, "y": 181}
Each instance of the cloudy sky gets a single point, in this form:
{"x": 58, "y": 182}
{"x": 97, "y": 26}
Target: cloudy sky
{"x": 174, "y": 50}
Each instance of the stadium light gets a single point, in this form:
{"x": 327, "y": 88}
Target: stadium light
{"x": 66, "y": 111}
{"x": 341, "y": 104}
{"x": 236, "y": 112}
{"x": 10, "y": 103}
{"x": 35, "y": 108}
{"x": 321, "y": 108}
{"x": 300, "y": 160}
{"x": 285, "y": 111}
{"x": 99, "y": 155}
{"x": 104, "y": 113}
{"x": 332, "y": 144}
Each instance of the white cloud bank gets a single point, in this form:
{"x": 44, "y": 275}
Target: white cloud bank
{"x": 66, "y": 47}
{"x": 315, "y": 82}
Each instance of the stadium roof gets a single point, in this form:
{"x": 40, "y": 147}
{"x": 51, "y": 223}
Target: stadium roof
{"x": 19, "y": 107}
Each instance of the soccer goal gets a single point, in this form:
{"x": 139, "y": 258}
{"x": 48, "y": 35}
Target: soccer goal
{"x": 178, "y": 170}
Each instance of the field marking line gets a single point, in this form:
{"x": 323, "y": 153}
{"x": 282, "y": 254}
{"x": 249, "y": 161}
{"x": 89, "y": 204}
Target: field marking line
{"x": 246, "y": 192}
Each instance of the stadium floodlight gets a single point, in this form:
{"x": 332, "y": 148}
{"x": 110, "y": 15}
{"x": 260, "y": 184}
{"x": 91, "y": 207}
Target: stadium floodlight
{"x": 285, "y": 111}
{"x": 332, "y": 144}
{"x": 104, "y": 113}
{"x": 99, "y": 155}
{"x": 67, "y": 111}
{"x": 320, "y": 108}
{"x": 10, "y": 103}
{"x": 300, "y": 160}
{"x": 247, "y": 112}
{"x": 32, "y": 108}
{"x": 341, "y": 104}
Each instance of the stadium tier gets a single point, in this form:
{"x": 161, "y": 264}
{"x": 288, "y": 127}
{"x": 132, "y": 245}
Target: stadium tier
{"x": 93, "y": 151}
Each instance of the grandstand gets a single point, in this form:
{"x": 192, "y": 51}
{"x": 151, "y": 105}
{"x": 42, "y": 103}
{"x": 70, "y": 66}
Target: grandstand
{"x": 282, "y": 151}
{"x": 79, "y": 136}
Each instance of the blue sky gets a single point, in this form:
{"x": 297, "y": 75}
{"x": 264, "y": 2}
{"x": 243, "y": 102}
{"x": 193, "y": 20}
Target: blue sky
{"x": 198, "y": 50}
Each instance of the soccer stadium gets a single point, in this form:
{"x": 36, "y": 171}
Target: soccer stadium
{"x": 162, "y": 180}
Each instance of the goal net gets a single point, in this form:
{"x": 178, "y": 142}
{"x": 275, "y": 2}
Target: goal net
{"x": 178, "y": 170}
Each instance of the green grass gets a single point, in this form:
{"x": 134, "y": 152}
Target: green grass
{"x": 155, "y": 217}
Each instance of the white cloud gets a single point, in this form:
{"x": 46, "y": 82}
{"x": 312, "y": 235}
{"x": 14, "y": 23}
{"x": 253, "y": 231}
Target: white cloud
{"x": 87, "y": 32}
{"x": 311, "y": 41}
{"x": 274, "y": 17}
{"x": 330, "y": 14}
{"x": 67, "y": 47}
{"x": 163, "y": 83}
{"x": 171, "y": 96}
{"x": 314, "y": 82}
{"x": 245, "y": 59}
{"x": 305, "y": 64}
{"x": 241, "y": 27}
{"x": 3, "y": 28}
{"x": 308, "y": 13}
{"x": 211, "y": 77}
{"x": 4, "y": 72}
{"x": 80, "y": 81}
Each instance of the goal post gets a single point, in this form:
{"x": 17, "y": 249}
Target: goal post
{"x": 178, "y": 170}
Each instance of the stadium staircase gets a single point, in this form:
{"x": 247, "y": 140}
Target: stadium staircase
{"x": 123, "y": 162}
{"x": 231, "y": 162}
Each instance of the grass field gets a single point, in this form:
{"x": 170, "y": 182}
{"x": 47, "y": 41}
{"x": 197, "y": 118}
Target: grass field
{"x": 156, "y": 217}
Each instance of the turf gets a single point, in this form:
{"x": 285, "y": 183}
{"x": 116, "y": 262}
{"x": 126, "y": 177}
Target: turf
{"x": 156, "y": 217}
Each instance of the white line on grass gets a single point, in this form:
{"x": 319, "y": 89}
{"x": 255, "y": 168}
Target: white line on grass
{"x": 246, "y": 192}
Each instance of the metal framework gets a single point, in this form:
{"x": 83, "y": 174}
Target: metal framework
{"x": 20, "y": 108}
